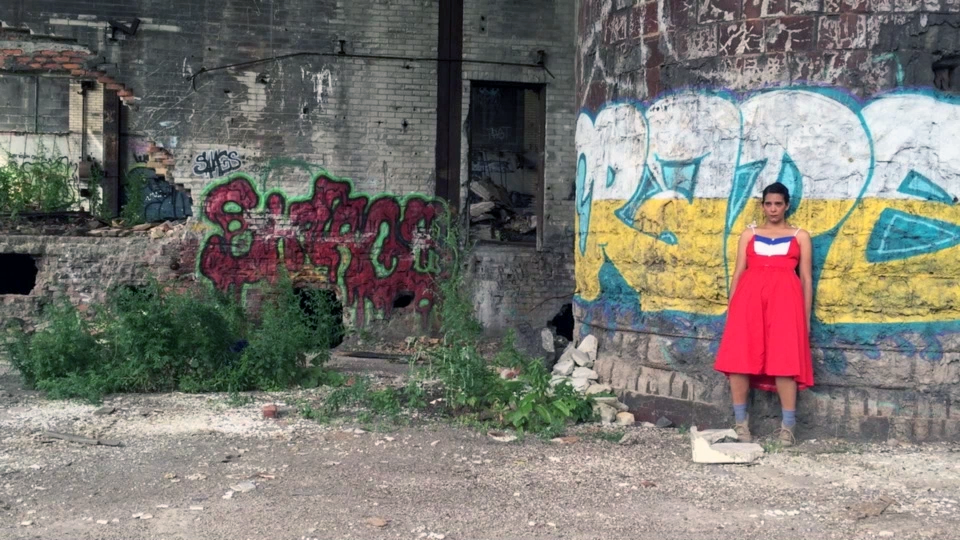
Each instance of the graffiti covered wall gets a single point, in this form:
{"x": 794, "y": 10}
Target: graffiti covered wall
{"x": 665, "y": 187}
{"x": 374, "y": 250}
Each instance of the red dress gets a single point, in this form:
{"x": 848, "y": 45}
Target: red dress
{"x": 766, "y": 330}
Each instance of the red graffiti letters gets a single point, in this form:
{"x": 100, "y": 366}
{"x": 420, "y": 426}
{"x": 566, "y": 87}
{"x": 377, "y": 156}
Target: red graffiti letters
{"x": 375, "y": 249}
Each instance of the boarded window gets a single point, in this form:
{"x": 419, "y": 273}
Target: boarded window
{"x": 506, "y": 161}
{"x": 31, "y": 104}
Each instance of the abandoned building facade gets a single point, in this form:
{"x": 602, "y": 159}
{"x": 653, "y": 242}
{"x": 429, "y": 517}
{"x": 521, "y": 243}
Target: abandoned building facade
{"x": 601, "y": 154}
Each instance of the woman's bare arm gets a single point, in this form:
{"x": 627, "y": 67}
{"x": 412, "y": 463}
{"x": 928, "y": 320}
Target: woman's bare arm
{"x": 806, "y": 271}
{"x": 741, "y": 263}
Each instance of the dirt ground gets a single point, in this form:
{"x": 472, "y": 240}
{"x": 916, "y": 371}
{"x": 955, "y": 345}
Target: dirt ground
{"x": 196, "y": 467}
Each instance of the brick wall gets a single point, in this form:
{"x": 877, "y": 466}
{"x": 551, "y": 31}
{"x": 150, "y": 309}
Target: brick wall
{"x": 370, "y": 120}
{"x": 690, "y": 108}
{"x": 280, "y": 122}
{"x": 517, "y": 285}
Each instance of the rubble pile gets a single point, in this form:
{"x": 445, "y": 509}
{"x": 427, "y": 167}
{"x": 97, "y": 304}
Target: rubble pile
{"x": 496, "y": 214}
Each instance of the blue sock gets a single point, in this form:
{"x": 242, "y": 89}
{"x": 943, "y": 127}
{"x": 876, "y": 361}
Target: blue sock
{"x": 740, "y": 412}
{"x": 789, "y": 417}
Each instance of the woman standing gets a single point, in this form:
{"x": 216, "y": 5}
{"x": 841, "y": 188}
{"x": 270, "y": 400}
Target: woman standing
{"x": 766, "y": 341}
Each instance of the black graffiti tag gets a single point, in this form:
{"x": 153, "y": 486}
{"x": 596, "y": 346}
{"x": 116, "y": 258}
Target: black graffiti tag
{"x": 216, "y": 163}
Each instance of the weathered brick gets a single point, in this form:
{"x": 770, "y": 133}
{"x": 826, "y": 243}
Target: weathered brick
{"x": 846, "y": 6}
{"x": 848, "y": 31}
{"x": 617, "y": 26}
{"x": 789, "y": 34}
{"x": 753, "y": 9}
{"x": 745, "y": 37}
{"x": 719, "y": 10}
{"x": 643, "y": 20}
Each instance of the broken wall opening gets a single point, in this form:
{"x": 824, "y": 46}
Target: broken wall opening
{"x": 327, "y": 298}
{"x": 506, "y": 150}
{"x": 19, "y": 273}
{"x": 562, "y": 322}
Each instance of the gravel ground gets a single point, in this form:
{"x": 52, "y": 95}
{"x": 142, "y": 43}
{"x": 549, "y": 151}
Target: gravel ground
{"x": 173, "y": 479}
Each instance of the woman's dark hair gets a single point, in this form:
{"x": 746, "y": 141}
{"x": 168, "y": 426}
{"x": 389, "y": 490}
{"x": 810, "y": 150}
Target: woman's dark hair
{"x": 776, "y": 188}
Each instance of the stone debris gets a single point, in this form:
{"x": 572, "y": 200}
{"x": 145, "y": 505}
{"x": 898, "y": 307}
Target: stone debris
{"x": 612, "y": 402}
{"x": 580, "y": 384}
{"x": 589, "y": 347}
{"x": 574, "y": 366}
{"x": 871, "y": 508}
{"x": 548, "y": 348}
{"x": 625, "y": 419}
{"x": 244, "y": 487}
{"x": 378, "y": 522}
{"x": 227, "y": 495}
{"x": 585, "y": 373}
{"x": 196, "y": 508}
{"x": 608, "y": 414}
{"x": 501, "y": 436}
{"x": 269, "y": 411}
{"x": 102, "y": 522}
{"x": 708, "y": 448}
{"x": 564, "y": 367}
{"x": 581, "y": 359}
{"x": 664, "y": 422}
{"x": 599, "y": 389}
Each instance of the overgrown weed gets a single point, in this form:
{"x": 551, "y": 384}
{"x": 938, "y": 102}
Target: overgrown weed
{"x": 157, "y": 339}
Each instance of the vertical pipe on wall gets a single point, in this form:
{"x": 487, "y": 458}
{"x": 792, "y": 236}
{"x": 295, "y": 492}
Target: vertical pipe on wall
{"x": 449, "y": 89}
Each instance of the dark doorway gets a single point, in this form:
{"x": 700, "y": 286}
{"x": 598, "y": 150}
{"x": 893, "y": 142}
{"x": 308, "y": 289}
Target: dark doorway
{"x": 19, "y": 274}
{"x": 507, "y": 123}
{"x": 327, "y": 300}
{"x": 563, "y": 322}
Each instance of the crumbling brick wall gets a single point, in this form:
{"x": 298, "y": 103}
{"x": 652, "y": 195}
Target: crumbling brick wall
{"x": 267, "y": 132}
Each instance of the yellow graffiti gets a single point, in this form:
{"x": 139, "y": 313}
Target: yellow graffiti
{"x": 689, "y": 276}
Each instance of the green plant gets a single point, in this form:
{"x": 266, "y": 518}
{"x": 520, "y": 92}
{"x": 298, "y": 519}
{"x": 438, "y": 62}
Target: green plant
{"x": 236, "y": 399}
{"x": 133, "y": 211}
{"x": 155, "y": 339}
{"x": 610, "y": 436}
{"x": 44, "y": 183}
{"x": 526, "y": 403}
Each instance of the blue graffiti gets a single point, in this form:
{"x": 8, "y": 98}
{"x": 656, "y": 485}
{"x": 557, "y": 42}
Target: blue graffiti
{"x": 899, "y": 235}
{"x": 919, "y": 185}
{"x": 584, "y": 201}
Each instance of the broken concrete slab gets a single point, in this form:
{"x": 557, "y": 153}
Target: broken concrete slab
{"x": 580, "y": 384}
{"x": 564, "y": 367}
{"x": 547, "y": 341}
{"x": 589, "y": 347}
{"x": 706, "y": 450}
{"x": 581, "y": 358}
{"x": 611, "y": 401}
{"x": 585, "y": 373}
{"x": 599, "y": 389}
{"x": 608, "y": 414}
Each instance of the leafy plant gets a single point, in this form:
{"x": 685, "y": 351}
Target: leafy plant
{"x": 156, "y": 339}
{"x": 526, "y": 403}
{"x": 44, "y": 183}
{"x": 133, "y": 210}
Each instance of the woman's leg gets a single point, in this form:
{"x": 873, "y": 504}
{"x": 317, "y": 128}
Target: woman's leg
{"x": 787, "y": 389}
{"x": 739, "y": 388}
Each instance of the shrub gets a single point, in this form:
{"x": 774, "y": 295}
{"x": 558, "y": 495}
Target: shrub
{"x": 152, "y": 339}
{"x": 44, "y": 183}
{"x": 527, "y": 403}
